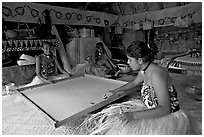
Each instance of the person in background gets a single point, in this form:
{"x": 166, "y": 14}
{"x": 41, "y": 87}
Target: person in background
{"x": 101, "y": 57}
{"x": 157, "y": 111}
{"x": 47, "y": 67}
{"x": 97, "y": 63}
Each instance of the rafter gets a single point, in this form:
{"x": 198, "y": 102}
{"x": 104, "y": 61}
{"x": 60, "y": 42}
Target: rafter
{"x": 145, "y": 6}
{"x": 121, "y": 8}
{"x": 133, "y": 8}
{"x": 161, "y": 5}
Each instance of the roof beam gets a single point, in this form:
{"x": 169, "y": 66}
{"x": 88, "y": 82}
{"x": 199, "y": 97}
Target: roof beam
{"x": 133, "y": 8}
{"x": 121, "y": 8}
{"x": 161, "y": 5}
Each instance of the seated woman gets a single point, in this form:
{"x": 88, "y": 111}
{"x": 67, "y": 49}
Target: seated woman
{"x": 101, "y": 57}
{"x": 98, "y": 63}
{"x": 157, "y": 112}
{"x": 47, "y": 67}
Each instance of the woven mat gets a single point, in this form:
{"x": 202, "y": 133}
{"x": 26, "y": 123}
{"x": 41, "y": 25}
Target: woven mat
{"x": 18, "y": 118}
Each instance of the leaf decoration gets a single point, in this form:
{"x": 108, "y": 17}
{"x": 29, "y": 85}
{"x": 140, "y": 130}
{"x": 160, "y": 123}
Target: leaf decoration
{"x": 7, "y": 11}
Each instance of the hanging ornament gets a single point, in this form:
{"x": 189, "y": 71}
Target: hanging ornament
{"x": 137, "y": 26}
{"x": 148, "y": 25}
{"x": 188, "y": 21}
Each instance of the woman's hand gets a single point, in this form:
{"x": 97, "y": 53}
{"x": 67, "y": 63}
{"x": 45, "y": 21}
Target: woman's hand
{"x": 126, "y": 116}
{"x": 118, "y": 73}
{"x": 109, "y": 94}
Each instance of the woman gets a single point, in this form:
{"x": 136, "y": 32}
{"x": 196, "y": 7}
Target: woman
{"x": 158, "y": 110}
{"x": 101, "y": 57}
{"x": 97, "y": 63}
{"x": 47, "y": 67}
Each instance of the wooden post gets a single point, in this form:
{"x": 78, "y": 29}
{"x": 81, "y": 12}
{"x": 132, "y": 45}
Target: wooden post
{"x": 62, "y": 51}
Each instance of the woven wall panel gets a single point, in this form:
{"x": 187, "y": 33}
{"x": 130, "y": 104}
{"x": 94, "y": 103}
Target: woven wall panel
{"x": 169, "y": 4}
{"x": 127, "y": 8}
{"x": 115, "y": 8}
{"x": 139, "y": 7}
{"x": 153, "y": 6}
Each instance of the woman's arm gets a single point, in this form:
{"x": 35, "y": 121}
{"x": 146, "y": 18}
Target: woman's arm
{"x": 112, "y": 65}
{"x": 38, "y": 71}
{"x": 128, "y": 86}
{"x": 132, "y": 84}
{"x": 159, "y": 81}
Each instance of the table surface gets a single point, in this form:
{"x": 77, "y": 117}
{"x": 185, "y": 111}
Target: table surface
{"x": 68, "y": 98}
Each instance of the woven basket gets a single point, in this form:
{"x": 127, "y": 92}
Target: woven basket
{"x": 124, "y": 68}
{"x": 24, "y": 33}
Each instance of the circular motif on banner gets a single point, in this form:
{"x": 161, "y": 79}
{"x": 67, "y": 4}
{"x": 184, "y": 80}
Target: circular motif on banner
{"x": 20, "y": 11}
{"x": 161, "y": 21}
{"x": 58, "y": 15}
{"x": 79, "y": 16}
{"x": 106, "y": 22}
{"x": 7, "y": 11}
{"x": 98, "y": 20}
{"x": 173, "y": 19}
{"x": 68, "y": 16}
{"x": 34, "y": 13}
{"x": 88, "y": 18}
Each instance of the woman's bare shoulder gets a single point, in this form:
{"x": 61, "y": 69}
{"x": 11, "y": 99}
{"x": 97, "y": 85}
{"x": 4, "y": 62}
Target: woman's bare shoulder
{"x": 158, "y": 71}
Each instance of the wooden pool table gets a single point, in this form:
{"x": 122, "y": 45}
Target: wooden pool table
{"x": 74, "y": 97}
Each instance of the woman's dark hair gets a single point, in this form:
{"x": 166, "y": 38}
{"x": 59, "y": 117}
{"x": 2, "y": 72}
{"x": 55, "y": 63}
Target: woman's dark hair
{"x": 140, "y": 49}
{"x": 99, "y": 44}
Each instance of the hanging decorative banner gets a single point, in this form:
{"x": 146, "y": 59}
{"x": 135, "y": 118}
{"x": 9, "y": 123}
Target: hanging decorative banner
{"x": 26, "y": 45}
{"x": 165, "y": 17}
{"x": 22, "y": 11}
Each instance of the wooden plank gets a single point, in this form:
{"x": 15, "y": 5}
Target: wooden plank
{"x": 63, "y": 54}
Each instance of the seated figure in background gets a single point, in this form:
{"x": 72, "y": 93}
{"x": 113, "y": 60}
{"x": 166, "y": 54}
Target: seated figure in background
{"x": 101, "y": 57}
{"x": 97, "y": 63}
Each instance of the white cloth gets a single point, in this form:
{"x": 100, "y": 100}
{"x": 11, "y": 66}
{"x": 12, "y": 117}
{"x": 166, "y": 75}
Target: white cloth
{"x": 37, "y": 81}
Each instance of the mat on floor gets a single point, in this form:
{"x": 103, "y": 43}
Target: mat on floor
{"x": 18, "y": 118}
